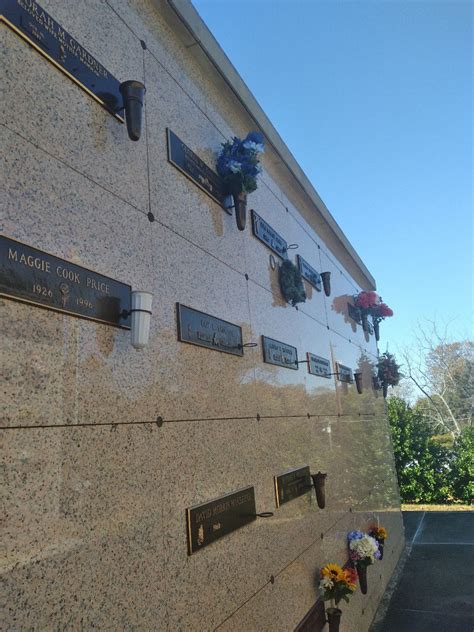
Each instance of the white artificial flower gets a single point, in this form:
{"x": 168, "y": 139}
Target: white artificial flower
{"x": 256, "y": 147}
{"x": 326, "y": 583}
{"x": 235, "y": 166}
{"x": 365, "y": 547}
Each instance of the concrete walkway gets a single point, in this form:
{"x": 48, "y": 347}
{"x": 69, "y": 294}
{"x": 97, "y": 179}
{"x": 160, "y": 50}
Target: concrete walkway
{"x": 436, "y": 589}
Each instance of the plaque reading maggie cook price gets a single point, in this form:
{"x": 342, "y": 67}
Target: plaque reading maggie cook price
{"x": 195, "y": 169}
{"x": 318, "y": 366}
{"x": 45, "y": 35}
{"x": 292, "y": 484}
{"x": 279, "y": 353}
{"x": 36, "y": 277}
{"x": 205, "y": 330}
{"x": 213, "y": 520}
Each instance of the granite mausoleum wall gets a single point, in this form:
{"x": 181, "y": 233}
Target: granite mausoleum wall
{"x": 95, "y": 526}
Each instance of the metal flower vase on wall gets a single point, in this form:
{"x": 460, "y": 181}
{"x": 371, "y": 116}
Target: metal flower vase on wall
{"x": 319, "y": 482}
{"x": 326, "y": 278}
{"x": 240, "y": 208}
{"x": 362, "y": 574}
{"x": 377, "y": 330}
{"x": 334, "y": 619}
{"x": 358, "y": 382}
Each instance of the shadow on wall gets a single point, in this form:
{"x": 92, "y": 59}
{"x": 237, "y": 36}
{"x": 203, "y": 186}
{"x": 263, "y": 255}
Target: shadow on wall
{"x": 340, "y": 305}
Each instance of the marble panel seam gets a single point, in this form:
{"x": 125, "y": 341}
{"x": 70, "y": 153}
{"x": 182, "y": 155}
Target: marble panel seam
{"x": 72, "y": 168}
{"x": 326, "y": 251}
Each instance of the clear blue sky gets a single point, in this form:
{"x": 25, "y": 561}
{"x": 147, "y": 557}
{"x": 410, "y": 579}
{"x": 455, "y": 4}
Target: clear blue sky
{"x": 374, "y": 99}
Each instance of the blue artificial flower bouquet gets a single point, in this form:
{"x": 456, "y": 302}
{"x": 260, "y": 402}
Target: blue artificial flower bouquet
{"x": 238, "y": 163}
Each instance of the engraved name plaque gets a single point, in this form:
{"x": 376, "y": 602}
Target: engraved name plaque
{"x": 45, "y": 35}
{"x": 279, "y": 353}
{"x": 213, "y": 520}
{"x": 354, "y": 313}
{"x": 344, "y": 373}
{"x": 204, "y": 330}
{"x": 36, "y": 277}
{"x": 292, "y": 484}
{"x": 309, "y": 273}
{"x": 318, "y": 366}
{"x": 184, "y": 159}
{"x": 263, "y": 231}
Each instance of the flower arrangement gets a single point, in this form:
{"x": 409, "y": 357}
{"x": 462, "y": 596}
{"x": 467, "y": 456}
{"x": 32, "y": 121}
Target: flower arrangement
{"x": 388, "y": 371}
{"x": 363, "y": 548}
{"x": 380, "y": 534}
{"x": 363, "y": 551}
{"x": 366, "y": 300}
{"x": 370, "y": 303}
{"x": 238, "y": 164}
{"x": 336, "y": 584}
{"x": 291, "y": 283}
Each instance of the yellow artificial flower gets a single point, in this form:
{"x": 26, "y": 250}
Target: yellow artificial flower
{"x": 333, "y": 571}
{"x": 382, "y": 533}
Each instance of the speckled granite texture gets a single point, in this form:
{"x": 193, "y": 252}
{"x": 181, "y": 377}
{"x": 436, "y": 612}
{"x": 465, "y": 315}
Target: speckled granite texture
{"x": 95, "y": 533}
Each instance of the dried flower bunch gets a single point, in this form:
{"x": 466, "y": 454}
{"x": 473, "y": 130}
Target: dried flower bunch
{"x": 388, "y": 370}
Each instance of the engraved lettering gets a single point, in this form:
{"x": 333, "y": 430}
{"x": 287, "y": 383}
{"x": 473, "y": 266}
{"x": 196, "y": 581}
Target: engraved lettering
{"x": 68, "y": 274}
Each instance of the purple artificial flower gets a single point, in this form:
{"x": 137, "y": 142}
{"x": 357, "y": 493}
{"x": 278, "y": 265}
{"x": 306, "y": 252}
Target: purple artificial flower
{"x": 355, "y": 535}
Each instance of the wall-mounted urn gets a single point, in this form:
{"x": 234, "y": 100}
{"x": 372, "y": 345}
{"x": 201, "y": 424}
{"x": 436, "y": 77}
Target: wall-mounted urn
{"x": 358, "y": 382}
{"x": 326, "y": 278}
{"x": 133, "y": 93}
{"x": 319, "y": 482}
{"x": 240, "y": 207}
{"x": 334, "y": 618}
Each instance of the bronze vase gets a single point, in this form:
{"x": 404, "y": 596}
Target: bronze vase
{"x": 326, "y": 277}
{"x": 377, "y": 330}
{"x": 365, "y": 322}
{"x": 240, "y": 207}
{"x": 319, "y": 482}
{"x": 385, "y": 389}
{"x": 334, "y": 619}
{"x": 362, "y": 573}
{"x": 381, "y": 549}
{"x": 358, "y": 381}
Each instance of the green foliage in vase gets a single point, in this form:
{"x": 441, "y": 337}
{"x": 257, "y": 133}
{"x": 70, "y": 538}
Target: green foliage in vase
{"x": 291, "y": 283}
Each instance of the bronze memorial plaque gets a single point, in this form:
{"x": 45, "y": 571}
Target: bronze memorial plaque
{"x": 318, "y": 366}
{"x": 45, "y": 35}
{"x": 292, "y": 484}
{"x": 213, "y": 520}
{"x": 279, "y": 353}
{"x": 36, "y": 277}
{"x": 189, "y": 163}
{"x": 263, "y": 231}
{"x": 354, "y": 313}
{"x": 309, "y": 273}
{"x": 205, "y": 330}
{"x": 344, "y": 373}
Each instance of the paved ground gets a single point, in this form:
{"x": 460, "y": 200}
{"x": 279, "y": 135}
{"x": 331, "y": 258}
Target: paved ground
{"x": 436, "y": 589}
